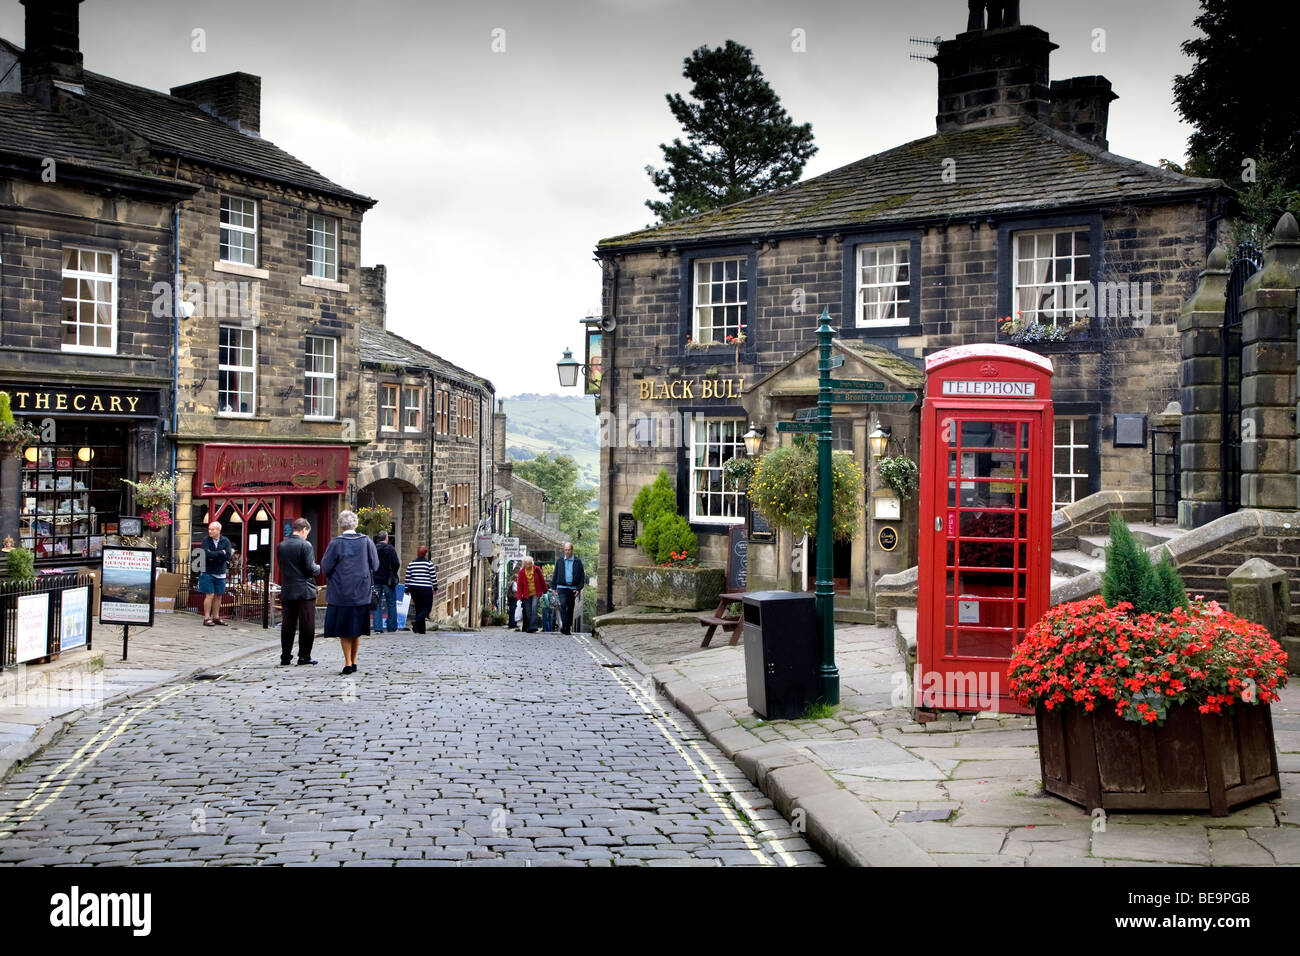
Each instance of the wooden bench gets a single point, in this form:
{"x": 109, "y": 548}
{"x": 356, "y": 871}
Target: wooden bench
{"x": 719, "y": 619}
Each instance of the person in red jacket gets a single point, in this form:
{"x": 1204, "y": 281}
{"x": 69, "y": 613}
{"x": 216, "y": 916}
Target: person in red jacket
{"x": 530, "y": 585}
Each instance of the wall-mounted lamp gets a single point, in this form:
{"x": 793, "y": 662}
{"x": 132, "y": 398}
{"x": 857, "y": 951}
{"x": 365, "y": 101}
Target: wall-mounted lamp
{"x": 85, "y": 454}
{"x": 185, "y": 308}
{"x": 446, "y": 496}
{"x": 568, "y": 367}
{"x": 754, "y": 439}
{"x": 32, "y": 453}
{"x": 879, "y": 440}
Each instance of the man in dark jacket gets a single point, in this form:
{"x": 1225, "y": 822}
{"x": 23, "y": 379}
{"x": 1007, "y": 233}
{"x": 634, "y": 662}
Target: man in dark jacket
{"x": 567, "y": 581}
{"x": 298, "y": 570}
{"x": 386, "y": 583}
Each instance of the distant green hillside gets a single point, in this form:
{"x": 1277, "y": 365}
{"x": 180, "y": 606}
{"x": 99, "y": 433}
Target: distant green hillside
{"x": 558, "y": 424}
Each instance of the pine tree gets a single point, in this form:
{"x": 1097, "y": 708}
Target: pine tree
{"x": 739, "y": 139}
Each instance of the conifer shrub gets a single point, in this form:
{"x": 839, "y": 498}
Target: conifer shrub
{"x": 1129, "y": 575}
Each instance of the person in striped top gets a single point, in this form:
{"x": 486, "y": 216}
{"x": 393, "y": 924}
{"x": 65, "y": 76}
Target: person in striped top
{"x": 422, "y": 584}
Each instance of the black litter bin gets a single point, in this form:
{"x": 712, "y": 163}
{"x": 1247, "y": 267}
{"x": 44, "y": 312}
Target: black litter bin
{"x": 781, "y": 653}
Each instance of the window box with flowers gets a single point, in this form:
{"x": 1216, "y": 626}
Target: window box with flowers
{"x": 1146, "y": 701}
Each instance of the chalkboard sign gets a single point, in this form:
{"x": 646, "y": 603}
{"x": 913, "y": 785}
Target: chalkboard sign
{"x": 626, "y": 531}
{"x": 759, "y": 529}
{"x": 737, "y": 559}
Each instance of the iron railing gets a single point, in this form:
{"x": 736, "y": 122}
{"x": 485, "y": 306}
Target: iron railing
{"x": 247, "y": 597}
{"x": 1245, "y": 264}
{"x": 52, "y": 586}
{"x": 1166, "y": 476}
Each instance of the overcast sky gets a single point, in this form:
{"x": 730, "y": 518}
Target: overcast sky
{"x": 497, "y": 172}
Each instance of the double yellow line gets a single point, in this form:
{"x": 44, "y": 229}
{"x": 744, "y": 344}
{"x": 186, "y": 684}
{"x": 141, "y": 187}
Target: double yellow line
{"x": 20, "y": 814}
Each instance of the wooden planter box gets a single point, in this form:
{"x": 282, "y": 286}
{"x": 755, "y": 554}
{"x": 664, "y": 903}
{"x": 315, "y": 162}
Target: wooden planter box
{"x": 1196, "y": 761}
{"x": 687, "y": 589}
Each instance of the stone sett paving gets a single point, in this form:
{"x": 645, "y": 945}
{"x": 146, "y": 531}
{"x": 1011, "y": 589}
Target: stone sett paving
{"x": 446, "y": 749}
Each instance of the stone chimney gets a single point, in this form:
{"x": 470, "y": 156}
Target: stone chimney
{"x": 995, "y": 71}
{"x": 499, "y": 432}
{"x": 235, "y": 99}
{"x": 374, "y": 296}
{"x": 1081, "y": 107}
{"x": 52, "y": 49}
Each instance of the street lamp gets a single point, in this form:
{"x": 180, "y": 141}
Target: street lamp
{"x": 879, "y": 440}
{"x": 754, "y": 439}
{"x": 568, "y": 369}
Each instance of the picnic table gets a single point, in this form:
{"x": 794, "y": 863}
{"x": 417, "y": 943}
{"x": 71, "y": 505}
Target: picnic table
{"x": 720, "y": 618}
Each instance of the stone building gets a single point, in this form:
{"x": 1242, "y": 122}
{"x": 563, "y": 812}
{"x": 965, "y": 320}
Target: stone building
{"x": 428, "y": 458}
{"x": 1015, "y": 208}
{"x": 266, "y": 294}
{"x": 85, "y": 238}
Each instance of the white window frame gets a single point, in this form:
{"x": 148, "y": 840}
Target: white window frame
{"x": 709, "y": 474}
{"x": 227, "y": 226}
{"x": 250, "y": 370}
{"x": 1047, "y": 297}
{"x": 79, "y": 276}
{"x": 332, "y": 376}
{"x": 893, "y": 301}
{"x": 418, "y": 408}
{"x": 704, "y": 289}
{"x": 396, "y": 406}
{"x": 323, "y": 246}
{"x": 1077, "y": 449}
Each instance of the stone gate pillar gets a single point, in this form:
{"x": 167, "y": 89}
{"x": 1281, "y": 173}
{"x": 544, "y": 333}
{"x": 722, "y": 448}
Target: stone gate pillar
{"x": 1200, "y": 330}
{"x": 1268, "y": 369}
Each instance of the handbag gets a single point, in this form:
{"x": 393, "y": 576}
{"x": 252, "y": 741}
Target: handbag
{"x": 374, "y": 598}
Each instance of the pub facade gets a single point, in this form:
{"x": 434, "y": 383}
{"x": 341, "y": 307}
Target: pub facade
{"x": 1013, "y": 224}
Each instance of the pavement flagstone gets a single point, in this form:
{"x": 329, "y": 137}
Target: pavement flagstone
{"x": 874, "y": 787}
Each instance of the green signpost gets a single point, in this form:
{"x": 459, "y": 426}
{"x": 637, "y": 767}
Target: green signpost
{"x": 828, "y": 674}
{"x": 842, "y": 398}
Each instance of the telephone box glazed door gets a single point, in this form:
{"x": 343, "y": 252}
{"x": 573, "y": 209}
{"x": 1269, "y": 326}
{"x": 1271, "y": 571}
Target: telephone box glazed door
{"x": 985, "y": 571}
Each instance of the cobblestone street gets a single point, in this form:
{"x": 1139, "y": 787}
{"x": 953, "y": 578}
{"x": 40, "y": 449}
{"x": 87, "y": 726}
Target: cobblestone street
{"x": 446, "y": 749}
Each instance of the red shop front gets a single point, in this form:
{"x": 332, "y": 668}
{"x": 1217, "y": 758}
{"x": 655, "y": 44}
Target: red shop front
{"x": 256, "y": 492}
{"x": 984, "y": 574}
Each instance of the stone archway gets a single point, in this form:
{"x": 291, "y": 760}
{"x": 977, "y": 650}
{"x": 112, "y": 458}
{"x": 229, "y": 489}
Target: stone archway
{"x": 400, "y": 488}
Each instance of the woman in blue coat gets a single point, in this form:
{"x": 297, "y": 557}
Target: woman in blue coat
{"x": 349, "y": 565}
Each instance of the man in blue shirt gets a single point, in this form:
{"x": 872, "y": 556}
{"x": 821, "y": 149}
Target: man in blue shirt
{"x": 567, "y": 581}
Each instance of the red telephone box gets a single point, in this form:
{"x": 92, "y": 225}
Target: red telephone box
{"x": 984, "y": 575}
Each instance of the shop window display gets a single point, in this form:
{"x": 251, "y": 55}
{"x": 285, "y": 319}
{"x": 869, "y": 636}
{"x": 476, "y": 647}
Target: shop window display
{"x": 72, "y": 493}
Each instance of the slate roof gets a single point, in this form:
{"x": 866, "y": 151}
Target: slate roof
{"x": 1018, "y": 166}
{"x": 177, "y": 127}
{"x": 381, "y": 347}
{"x": 30, "y": 133}
{"x": 538, "y": 529}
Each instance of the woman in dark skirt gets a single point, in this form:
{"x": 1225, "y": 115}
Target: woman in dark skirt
{"x": 349, "y": 564}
